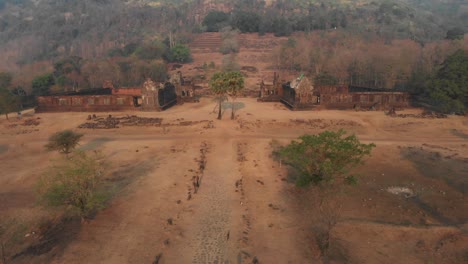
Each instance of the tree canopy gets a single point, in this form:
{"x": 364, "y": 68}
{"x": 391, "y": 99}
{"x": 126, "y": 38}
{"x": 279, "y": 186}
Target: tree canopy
{"x": 226, "y": 83}
{"x": 63, "y": 141}
{"x": 448, "y": 90}
{"x": 76, "y": 183}
{"x": 325, "y": 158}
{"x": 215, "y": 21}
{"x": 42, "y": 84}
{"x": 180, "y": 53}
{"x": 8, "y": 101}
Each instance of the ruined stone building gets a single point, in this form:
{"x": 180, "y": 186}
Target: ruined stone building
{"x": 151, "y": 96}
{"x": 88, "y": 100}
{"x": 270, "y": 91}
{"x": 158, "y": 97}
{"x": 347, "y": 97}
{"x": 300, "y": 94}
{"x": 185, "y": 87}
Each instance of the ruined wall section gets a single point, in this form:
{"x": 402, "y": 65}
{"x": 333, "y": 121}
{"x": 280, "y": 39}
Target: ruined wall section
{"x": 150, "y": 96}
{"x": 85, "y": 103}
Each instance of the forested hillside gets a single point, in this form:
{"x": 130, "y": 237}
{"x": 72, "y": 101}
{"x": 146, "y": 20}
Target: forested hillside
{"x": 78, "y": 44}
{"x": 32, "y": 30}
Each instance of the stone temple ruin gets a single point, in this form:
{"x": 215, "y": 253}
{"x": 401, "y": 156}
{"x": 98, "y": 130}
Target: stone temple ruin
{"x": 298, "y": 94}
{"x": 301, "y": 94}
{"x": 151, "y": 96}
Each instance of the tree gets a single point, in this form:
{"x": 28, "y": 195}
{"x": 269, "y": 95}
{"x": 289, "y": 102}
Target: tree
{"x": 215, "y": 20}
{"x": 180, "y": 53}
{"x": 219, "y": 88}
{"x": 227, "y": 83}
{"x": 5, "y": 79}
{"x": 325, "y": 158}
{"x": 8, "y": 102}
{"x": 246, "y": 21}
{"x": 230, "y": 43}
{"x": 63, "y": 141}
{"x": 42, "y": 84}
{"x": 448, "y": 90}
{"x": 325, "y": 78}
{"x": 75, "y": 183}
{"x": 455, "y": 33}
{"x": 67, "y": 73}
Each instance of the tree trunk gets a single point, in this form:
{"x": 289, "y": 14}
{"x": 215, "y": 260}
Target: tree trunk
{"x": 219, "y": 110}
{"x": 6, "y": 114}
{"x": 232, "y": 110}
{"x": 3, "y": 253}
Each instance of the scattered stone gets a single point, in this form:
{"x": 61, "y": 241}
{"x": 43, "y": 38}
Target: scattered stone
{"x": 169, "y": 221}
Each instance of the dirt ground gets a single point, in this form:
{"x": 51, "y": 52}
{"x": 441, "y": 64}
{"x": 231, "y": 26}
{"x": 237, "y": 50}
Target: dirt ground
{"x": 246, "y": 209}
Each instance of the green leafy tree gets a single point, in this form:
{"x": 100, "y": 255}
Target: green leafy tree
{"x": 215, "y": 20}
{"x": 325, "y": 158}
{"x": 448, "y": 90}
{"x": 151, "y": 51}
{"x": 8, "y": 102}
{"x": 235, "y": 82}
{"x": 42, "y": 84}
{"x": 180, "y": 53}
{"x": 219, "y": 89}
{"x": 75, "y": 183}
{"x": 5, "y": 79}
{"x": 246, "y": 21}
{"x": 67, "y": 73}
{"x": 63, "y": 141}
{"x": 226, "y": 83}
{"x": 455, "y": 33}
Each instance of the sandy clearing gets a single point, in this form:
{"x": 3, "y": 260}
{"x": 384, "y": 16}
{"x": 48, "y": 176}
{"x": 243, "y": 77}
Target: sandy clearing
{"x": 265, "y": 216}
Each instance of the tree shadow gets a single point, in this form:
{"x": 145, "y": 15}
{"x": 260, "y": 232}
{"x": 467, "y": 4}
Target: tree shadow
{"x": 94, "y": 144}
{"x": 3, "y": 148}
{"x": 459, "y": 133}
{"x": 228, "y": 105}
{"x": 433, "y": 165}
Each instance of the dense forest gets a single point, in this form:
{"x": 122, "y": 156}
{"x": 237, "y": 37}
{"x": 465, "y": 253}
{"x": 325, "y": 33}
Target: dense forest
{"x": 63, "y": 44}
{"x": 47, "y": 29}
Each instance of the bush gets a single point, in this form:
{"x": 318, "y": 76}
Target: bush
{"x": 325, "y": 158}
{"x": 75, "y": 183}
{"x": 64, "y": 141}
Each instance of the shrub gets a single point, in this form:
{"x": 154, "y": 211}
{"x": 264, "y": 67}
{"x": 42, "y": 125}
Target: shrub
{"x": 64, "y": 141}
{"x": 75, "y": 183}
